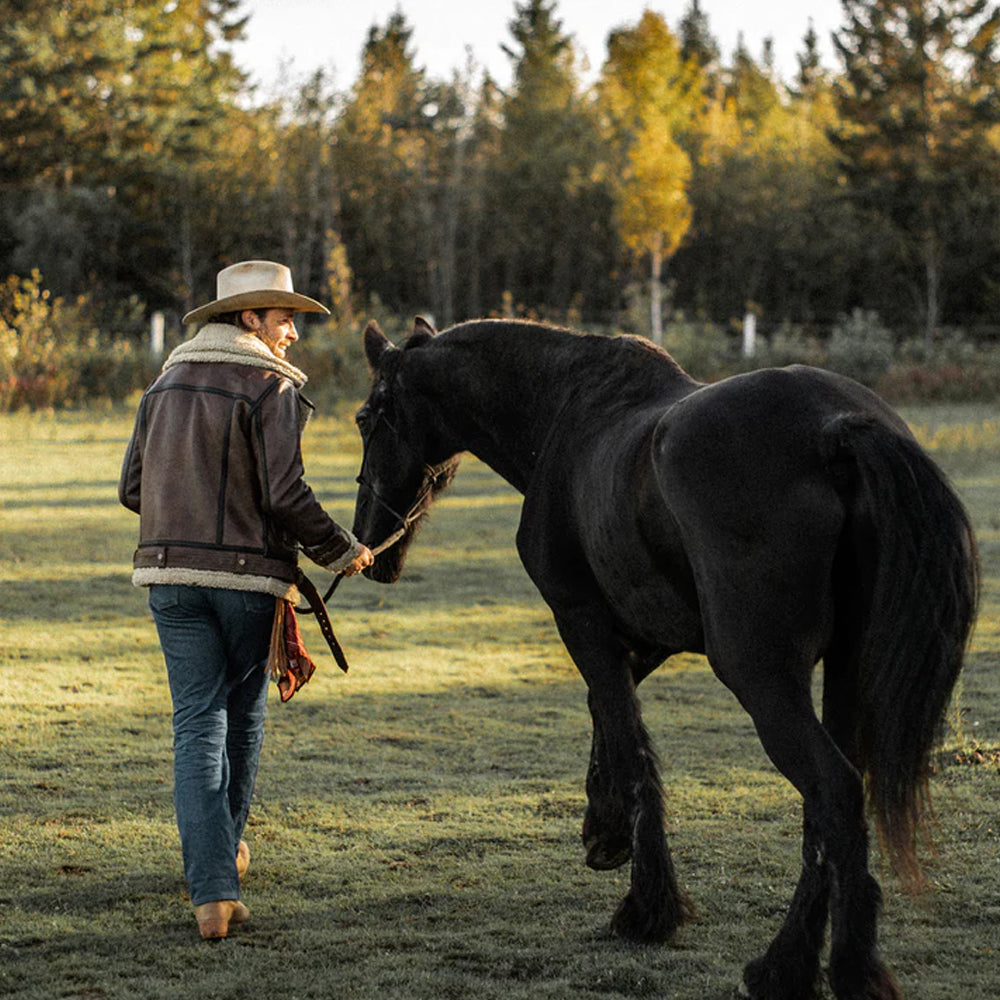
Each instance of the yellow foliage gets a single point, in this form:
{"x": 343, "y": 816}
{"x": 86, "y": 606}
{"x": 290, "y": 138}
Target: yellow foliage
{"x": 654, "y": 208}
{"x": 649, "y": 98}
{"x": 960, "y": 438}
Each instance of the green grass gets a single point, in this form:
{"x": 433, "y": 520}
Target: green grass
{"x": 415, "y": 832}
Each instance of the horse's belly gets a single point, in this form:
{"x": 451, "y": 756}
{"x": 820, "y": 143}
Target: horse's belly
{"x": 655, "y": 614}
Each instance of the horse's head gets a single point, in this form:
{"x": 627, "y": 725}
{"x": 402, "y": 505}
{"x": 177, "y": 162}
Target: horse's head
{"x": 407, "y": 458}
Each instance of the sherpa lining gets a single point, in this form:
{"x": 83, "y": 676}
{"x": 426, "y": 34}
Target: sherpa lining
{"x": 180, "y": 576}
{"x": 222, "y": 342}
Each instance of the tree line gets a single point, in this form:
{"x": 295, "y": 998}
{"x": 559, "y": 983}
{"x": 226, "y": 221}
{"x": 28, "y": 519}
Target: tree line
{"x": 136, "y": 160}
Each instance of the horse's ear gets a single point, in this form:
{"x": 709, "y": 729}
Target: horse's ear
{"x": 422, "y": 332}
{"x": 376, "y": 344}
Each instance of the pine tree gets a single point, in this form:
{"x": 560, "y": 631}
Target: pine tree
{"x": 770, "y": 232}
{"x": 544, "y": 172}
{"x": 698, "y": 44}
{"x": 382, "y": 154}
{"x": 106, "y": 101}
{"x": 87, "y": 86}
{"x": 920, "y": 91}
{"x": 810, "y": 74}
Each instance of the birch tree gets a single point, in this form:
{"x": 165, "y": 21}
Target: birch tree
{"x": 650, "y": 96}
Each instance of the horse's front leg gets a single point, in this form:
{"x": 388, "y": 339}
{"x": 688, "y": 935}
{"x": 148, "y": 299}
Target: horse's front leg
{"x": 607, "y": 829}
{"x": 626, "y": 794}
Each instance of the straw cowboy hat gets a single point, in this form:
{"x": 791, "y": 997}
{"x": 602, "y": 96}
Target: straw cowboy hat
{"x": 254, "y": 284}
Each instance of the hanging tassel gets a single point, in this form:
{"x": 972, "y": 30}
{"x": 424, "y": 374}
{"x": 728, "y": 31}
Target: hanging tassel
{"x": 277, "y": 660}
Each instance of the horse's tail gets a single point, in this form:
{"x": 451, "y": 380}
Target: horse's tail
{"x": 909, "y": 589}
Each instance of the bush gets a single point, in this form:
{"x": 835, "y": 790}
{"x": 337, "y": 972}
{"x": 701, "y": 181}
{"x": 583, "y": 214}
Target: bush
{"x": 701, "y": 348}
{"x": 791, "y": 345}
{"x": 31, "y": 369}
{"x": 331, "y": 353}
{"x": 333, "y": 357}
{"x": 861, "y": 346}
{"x": 52, "y": 357}
{"x": 955, "y": 383}
{"x": 55, "y": 354}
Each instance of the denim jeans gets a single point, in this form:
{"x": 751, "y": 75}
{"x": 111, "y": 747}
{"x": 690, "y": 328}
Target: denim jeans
{"x": 215, "y": 643}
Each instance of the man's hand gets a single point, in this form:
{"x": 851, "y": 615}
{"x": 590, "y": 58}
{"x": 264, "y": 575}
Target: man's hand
{"x": 363, "y": 560}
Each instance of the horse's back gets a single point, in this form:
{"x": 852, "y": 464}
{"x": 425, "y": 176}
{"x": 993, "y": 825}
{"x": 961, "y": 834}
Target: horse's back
{"x": 748, "y": 446}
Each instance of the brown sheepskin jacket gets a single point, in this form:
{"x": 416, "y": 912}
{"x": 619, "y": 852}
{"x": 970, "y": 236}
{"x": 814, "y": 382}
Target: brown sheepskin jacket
{"x": 214, "y": 470}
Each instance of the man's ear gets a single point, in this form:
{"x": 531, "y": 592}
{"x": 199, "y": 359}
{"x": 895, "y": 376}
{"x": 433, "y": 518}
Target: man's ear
{"x": 249, "y": 320}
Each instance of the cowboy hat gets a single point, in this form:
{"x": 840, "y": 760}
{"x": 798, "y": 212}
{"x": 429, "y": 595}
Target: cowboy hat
{"x": 254, "y": 284}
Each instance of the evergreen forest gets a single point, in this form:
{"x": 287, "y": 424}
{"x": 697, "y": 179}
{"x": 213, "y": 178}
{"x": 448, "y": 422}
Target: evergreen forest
{"x": 679, "y": 188}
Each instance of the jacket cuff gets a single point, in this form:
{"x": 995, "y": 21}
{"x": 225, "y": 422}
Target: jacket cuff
{"x": 333, "y": 555}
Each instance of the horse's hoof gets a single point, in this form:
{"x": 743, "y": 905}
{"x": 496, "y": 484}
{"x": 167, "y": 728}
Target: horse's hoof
{"x": 644, "y": 925}
{"x": 604, "y": 856}
{"x": 764, "y": 979}
{"x": 605, "y": 849}
{"x": 868, "y": 979}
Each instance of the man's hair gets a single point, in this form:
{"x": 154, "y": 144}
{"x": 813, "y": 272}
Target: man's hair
{"x": 235, "y": 318}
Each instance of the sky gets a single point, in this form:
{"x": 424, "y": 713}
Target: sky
{"x": 305, "y": 35}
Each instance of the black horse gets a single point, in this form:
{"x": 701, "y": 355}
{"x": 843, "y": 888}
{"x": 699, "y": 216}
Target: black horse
{"x": 770, "y": 521}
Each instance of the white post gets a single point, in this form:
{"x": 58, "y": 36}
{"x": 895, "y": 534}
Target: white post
{"x": 749, "y": 335}
{"x": 156, "y": 336}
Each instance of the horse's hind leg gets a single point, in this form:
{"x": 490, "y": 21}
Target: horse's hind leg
{"x": 855, "y": 968}
{"x": 790, "y": 967}
{"x": 835, "y": 862}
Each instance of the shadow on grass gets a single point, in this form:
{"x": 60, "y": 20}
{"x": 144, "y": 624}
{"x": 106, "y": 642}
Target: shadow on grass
{"x": 85, "y": 598}
{"x": 97, "y": 937}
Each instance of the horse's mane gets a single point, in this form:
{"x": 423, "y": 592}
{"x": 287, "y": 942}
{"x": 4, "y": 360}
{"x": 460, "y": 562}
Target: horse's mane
{"x": 623, "y": 365}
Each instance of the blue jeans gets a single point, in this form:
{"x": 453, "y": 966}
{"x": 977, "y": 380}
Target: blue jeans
{"x": 216, "y": 644}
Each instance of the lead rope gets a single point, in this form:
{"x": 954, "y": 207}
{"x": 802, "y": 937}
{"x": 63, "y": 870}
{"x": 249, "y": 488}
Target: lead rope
{"x": 376, "y": 552}
{"x": 317, "y": 603}
{"x": 404, "y": 525}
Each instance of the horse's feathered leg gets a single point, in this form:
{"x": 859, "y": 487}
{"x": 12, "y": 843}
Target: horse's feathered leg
{"x": 835, "y": 846}
{"x": 803, "y": 931}
{"x": 629, "y": 778}
{"x": 792, "y": 961}
{"x": 607, "y": 833}
{"x": 833, "y": 829}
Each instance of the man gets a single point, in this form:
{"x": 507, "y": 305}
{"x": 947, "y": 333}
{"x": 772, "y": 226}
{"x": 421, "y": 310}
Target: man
{"x": 214, "y": 470}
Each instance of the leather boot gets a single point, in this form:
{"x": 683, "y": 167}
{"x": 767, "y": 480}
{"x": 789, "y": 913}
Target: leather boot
{"x": 215, "y": 918}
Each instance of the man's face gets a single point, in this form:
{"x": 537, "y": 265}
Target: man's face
{"x": 277, "y": 329}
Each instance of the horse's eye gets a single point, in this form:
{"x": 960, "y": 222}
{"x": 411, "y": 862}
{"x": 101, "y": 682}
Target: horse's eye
{"x": 361, "y": 419}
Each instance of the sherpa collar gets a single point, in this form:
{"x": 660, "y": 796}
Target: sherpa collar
{"x": 222, "y": 342}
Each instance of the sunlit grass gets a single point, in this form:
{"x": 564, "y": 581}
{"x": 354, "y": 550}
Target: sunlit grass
{"x": 416, "y": 828}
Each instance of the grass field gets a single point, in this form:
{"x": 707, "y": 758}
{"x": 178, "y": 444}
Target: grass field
{"x": 415, "y": 832}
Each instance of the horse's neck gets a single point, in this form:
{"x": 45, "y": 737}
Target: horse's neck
{"x": 504, "y": 386}
{"x": 500, "y": 404}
